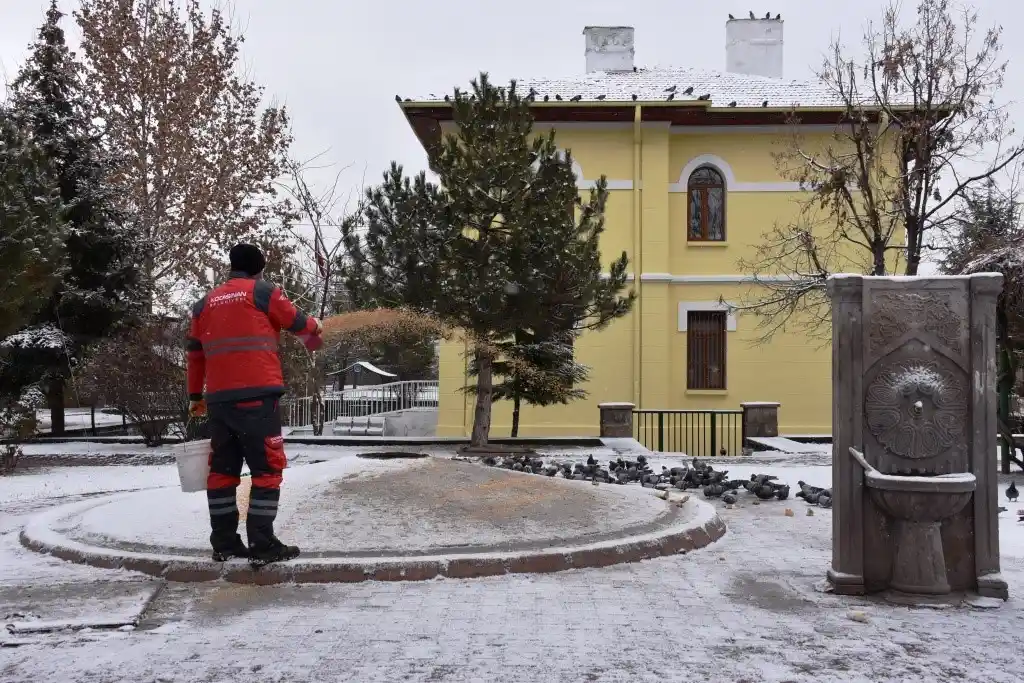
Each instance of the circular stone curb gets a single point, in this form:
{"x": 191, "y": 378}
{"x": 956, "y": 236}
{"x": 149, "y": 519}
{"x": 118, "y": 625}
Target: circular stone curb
{"x": 704, "y": 528}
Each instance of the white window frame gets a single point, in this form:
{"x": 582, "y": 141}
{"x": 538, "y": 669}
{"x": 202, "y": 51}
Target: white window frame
{"x": 686, "y": 306}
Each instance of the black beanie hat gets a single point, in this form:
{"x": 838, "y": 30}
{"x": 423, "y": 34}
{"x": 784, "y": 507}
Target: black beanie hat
{"x": 248, "y": 259}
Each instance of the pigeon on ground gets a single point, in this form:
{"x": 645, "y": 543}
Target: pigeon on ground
{"x": 1011, "y": 492}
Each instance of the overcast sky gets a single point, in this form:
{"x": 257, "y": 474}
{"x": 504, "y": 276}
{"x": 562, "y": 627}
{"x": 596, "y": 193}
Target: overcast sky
{"x": 339, "y": 63}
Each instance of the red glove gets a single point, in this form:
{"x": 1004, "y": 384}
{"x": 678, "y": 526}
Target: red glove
{"x": 312, "y": 342}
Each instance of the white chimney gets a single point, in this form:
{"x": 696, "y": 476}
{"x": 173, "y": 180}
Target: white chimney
{"x": 609, "y": 48}
{"x": 754, "y": 47}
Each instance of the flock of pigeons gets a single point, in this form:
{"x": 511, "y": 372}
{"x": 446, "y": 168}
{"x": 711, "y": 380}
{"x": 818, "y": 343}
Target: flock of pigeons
{"x": 778, "y": 17}
{"x": 697, "y": 475}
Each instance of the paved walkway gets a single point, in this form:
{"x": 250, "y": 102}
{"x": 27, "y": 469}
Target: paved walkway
{"x": 743, "y": 609}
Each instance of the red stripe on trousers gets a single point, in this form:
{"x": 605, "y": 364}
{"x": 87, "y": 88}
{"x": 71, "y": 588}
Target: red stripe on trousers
{"x": 221, "y": 481}
{"x": 267, "y": 481}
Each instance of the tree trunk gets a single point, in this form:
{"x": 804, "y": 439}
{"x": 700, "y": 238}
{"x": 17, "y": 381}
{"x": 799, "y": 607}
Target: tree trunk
{"x": 879, "y": 266}
{"x": 913, "y": 252}
{"x": 318, "y": 409}
{"x": 55, "y": 402}
{"x": 515, "y": 416}
{"x": 1003, "y": 410}
{"x": 484, "y": 389}
{"x": 1006, "y": 377}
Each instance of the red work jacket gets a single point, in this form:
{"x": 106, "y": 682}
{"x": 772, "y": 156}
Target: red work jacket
{"x": 233, "y": 340}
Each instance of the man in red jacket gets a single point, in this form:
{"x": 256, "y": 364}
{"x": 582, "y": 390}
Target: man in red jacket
{"x": 232, "y": 350}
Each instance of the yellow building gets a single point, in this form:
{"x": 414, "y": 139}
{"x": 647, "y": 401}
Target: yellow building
{"x": 693, "y": 183}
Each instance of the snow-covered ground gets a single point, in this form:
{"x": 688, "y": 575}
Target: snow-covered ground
{"x": 743, "y": 609}
{"x": 77, "y": 418}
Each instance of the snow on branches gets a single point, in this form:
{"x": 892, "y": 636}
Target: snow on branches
{"x": 38, "y": 337}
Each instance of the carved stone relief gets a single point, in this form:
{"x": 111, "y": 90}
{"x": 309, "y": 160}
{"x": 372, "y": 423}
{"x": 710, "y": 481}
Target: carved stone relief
{"x": 917, "y": 409}
{"x": 897, "y": 313}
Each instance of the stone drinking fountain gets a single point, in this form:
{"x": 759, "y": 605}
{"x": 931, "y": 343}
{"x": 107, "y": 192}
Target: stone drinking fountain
{"x": 914, "y": 436}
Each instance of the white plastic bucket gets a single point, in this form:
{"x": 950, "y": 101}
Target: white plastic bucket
{"x": 193, "y": 465}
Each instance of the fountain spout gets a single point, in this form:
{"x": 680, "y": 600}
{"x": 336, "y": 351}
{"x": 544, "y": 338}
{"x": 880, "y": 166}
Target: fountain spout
{"x": 859, "y": 457}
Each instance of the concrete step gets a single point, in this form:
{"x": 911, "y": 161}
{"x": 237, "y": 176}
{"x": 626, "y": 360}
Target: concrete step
{"x": 367, "y": 425}
{"x": 359, "y": 431}
{"x": 364, "y": 420}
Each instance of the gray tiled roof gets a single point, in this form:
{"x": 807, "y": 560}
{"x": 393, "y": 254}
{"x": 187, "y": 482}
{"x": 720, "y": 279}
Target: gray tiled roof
{"x": 650, "y": 84}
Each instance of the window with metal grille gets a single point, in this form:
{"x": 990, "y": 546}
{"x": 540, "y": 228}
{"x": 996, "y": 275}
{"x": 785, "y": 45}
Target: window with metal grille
{"x": 705, "y": 206}
{"x": 705, "y": 349}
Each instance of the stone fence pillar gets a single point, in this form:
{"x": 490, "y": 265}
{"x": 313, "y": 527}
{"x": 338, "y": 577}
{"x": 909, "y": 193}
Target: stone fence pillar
{"x": 616, "y": 420}
{"x": 760, "y": 418}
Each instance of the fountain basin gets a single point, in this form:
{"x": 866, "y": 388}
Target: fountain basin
{"x": 918, "y": 505}
{"x": 921, "y": 498}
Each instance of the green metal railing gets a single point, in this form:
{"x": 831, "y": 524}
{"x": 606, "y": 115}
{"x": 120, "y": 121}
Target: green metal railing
{"x": 699, "y": 433}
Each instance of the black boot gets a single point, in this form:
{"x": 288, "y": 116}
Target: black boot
{"x": 264, "y": 546}
{"x": 222, "y": 552}
{"x": 274, "y": 551}
{"x": 224, "y": 525}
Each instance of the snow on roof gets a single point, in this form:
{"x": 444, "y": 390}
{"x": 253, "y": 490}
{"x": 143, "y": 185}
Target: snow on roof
{"x": 651, "y": 84}
{"x": 364, "y": 365}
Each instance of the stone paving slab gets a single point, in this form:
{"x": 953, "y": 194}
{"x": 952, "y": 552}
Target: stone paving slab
{"x": 44, "y": 608}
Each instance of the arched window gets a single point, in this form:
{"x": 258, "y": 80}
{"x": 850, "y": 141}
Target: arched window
{"x": 706, "y": 205}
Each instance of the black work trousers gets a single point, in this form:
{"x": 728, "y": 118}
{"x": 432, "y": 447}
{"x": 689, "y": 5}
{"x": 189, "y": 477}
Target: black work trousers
{"x": 246, "y": 431}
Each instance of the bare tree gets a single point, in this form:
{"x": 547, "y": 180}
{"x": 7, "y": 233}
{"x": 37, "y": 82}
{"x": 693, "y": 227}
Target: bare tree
{"x": 919, "y": 129}
{"x": 320, "y": 259}
{"x": 199, "y": 154}
{"x": 140, "y": 372}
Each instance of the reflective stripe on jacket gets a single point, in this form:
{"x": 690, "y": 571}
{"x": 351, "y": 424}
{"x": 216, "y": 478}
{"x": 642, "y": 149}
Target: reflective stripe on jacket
{"x": 233, "y": 340}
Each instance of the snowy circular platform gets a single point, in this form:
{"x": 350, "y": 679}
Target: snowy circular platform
{"x": 361, "y": 519}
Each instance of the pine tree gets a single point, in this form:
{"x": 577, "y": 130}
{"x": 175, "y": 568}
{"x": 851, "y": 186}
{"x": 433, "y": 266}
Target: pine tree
{"x": 31, "y": 228}
{"x": 536, "y": 371}
{"x": 496, "y": 251}
{"x": 99, "y": 290}
{"x": 990, "y": 238}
